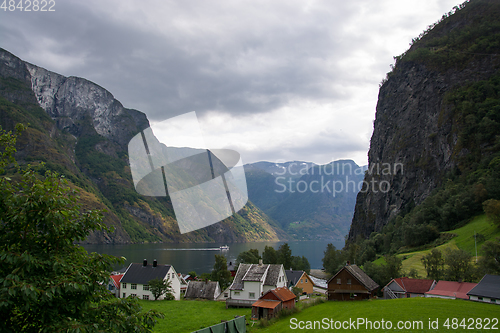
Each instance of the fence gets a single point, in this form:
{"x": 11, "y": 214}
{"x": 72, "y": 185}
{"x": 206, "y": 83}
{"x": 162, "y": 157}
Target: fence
{"x": 237, "y": 325}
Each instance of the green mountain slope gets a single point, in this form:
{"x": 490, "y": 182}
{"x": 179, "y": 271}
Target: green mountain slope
{"x": 309, "y": 201}
{"x": 438, "y": 114}
{"x": 78, "y": 129}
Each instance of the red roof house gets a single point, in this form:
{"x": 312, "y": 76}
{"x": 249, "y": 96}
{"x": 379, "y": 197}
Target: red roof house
{"x": 114, "y": 284}
{"x": 405, "y": 287}
{"x": 451, "y": 289}
{"x": 272, "y": 302}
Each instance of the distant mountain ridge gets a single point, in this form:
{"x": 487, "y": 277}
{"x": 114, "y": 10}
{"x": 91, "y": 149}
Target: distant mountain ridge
{"x": 309, "y": 201}
{"x": 80, "y": 130}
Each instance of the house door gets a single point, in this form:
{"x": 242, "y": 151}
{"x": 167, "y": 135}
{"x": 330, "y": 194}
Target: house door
{"x": 261, "y": 312}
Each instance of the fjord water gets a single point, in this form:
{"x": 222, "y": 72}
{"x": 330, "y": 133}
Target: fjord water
{"x": 200, "y": 257}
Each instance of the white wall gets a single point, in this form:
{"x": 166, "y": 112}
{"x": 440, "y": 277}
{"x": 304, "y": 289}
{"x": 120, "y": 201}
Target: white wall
{"x": 140, "y": 292}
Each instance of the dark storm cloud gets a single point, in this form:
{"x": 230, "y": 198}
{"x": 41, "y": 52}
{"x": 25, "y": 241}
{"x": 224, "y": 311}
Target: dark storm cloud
{"x": 272, "y": 68}
{"x": 170, "y": 72}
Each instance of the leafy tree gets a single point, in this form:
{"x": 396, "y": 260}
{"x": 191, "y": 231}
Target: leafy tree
{"x": 434, "y": 264}
{"x": 492, "y": 209}
{"x": 332, "y": 260}
{"x": 159, "y": 287}
{"x": 285, "y": 255}
{"x": 382, "y": 274}
{"x": 47, "y": 282}
{"x": 301, "y": 264}
{"x": 205, "y": 277}
{"x": 220, "y": 272}
{"x": 297, "y": 292}
{"x": 459, "y": 265}
{"x": 393, "y": 266}
{"x": 490, "y": 261}
{"x": 413, "y": 273}
{"x": 269, "y": 256}
{"x": 193, "y": 274}
{"x": 248, "y": 257}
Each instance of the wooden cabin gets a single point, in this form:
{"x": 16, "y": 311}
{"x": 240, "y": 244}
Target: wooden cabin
{"x": 350, "y": 283}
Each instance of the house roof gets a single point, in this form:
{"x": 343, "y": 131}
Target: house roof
{"x": 140, "y": 274}
{"x": 283, "y": 294}
{"x": 293, "y": 277}
{"x": 116, "y": 280}
{"x": 256, "y": 273}
{"x": 202, "y": 289}
{"x": 266, "y": 303}
{"x": 452, "y": 289}
{"x": 272, "y": 275}
{"x": 238, "y": 278}
{"x": 359, "y": 275}
{"x": 230, "y": 266}
{"x": 489, "y": 286}
{"x": 414, "y": 286}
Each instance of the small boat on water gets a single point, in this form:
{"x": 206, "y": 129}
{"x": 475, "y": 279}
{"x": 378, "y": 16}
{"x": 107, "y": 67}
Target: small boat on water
{"x": 224, "y": 248}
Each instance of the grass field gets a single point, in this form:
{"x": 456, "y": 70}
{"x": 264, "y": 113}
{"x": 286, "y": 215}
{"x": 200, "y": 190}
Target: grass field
{"x": 407, "y": 310}
{"x": 464, "y": 240}
{"x": 188, "y": 316}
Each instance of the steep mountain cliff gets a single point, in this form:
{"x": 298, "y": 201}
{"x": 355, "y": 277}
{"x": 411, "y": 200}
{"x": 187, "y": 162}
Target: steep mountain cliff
{"x": 435, "y": 140}
{"x": 80, "y": 130}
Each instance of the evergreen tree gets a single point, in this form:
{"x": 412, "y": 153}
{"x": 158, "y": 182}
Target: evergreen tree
{"x": 269, "y": 256}
{"x": 285, "y": 255}
{"x": 220, "y": 272}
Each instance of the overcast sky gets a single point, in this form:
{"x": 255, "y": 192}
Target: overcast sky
{"x": 275, "y": 80}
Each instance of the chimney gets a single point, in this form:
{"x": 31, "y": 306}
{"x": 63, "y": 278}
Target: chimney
{"x": 155, "y": 263}
{"x": 145, "y": 262}
{"x": 260, "y": 262}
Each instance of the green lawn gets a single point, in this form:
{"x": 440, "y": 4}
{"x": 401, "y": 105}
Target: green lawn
{"x": 411, "y": 309}
{"x": 188, "y": 316}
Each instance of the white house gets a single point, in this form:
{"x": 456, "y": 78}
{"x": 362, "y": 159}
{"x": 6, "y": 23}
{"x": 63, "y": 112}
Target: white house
{"x": 135, "y": 281}
{"x": 252, "y": 281}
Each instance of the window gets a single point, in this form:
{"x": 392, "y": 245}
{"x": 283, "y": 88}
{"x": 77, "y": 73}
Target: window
{"x": 124, "y": 286}
{"x": 306, "y": 280}
{"x": 339, "y": 281}
{"x": 226, "y": 295}
{"x": 145, "y": 287}
{"x": 124, "y": 295}
{"x": 251, "y": 295}
{"x": 236, "y": 293}
{"x": 133, "y": 286}
{"x": 348, "y": 281}
{"x": 133, "y": 295}
{"x": 301, "y": 281}
{"x": 146, "y": 297}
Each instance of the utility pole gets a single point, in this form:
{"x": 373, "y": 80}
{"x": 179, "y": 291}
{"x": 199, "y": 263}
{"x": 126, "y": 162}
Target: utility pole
{"x": 475, "y": 244}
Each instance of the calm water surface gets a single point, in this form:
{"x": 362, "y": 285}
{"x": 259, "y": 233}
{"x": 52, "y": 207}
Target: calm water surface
{"x": 200, "y": 257}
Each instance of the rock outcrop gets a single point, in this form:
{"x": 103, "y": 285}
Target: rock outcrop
{"x": 80, "y": 130}
{"x": 415, "y": 143}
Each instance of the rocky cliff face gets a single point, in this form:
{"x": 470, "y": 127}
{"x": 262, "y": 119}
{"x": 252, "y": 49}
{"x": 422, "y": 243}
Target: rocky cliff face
{"x": 80, "y": 130}
{"x": 414, "y": 142}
